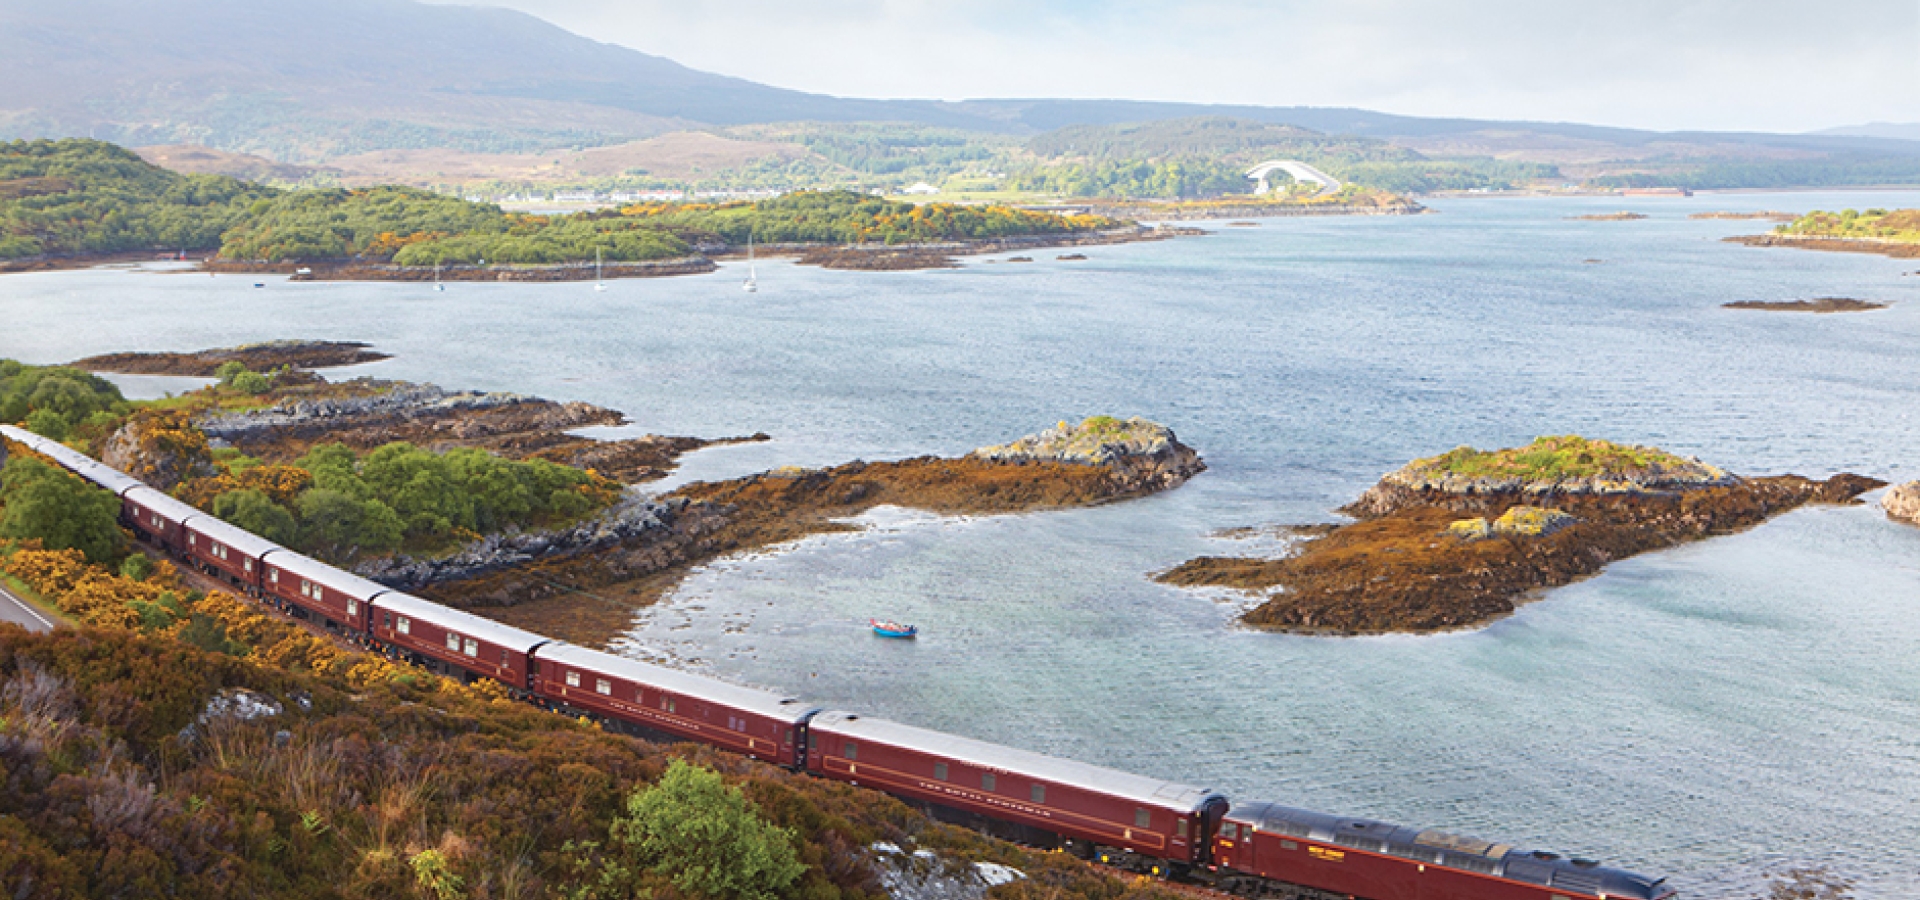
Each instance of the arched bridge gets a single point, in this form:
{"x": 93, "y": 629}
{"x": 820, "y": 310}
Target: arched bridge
{"x": 1299, "y": 170}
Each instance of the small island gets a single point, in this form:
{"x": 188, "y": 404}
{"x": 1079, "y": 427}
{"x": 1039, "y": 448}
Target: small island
{"x": 1610, "y": 217}
{"x": 1764, "y": 215}
{"x": 1816, "y": 305}
{"x": 1894, "y": 233}
{"x": 1458, "y": 540}
{"x": 262, "y": 357}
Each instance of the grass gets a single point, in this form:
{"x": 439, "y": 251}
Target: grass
{"x": 1549, "y": 458}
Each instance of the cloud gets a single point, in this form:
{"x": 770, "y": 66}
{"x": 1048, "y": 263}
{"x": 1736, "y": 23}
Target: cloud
{"x": 1670, "y": 64}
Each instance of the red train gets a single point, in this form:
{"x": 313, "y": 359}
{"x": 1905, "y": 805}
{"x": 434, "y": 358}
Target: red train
{"x": 1260, "y": 850}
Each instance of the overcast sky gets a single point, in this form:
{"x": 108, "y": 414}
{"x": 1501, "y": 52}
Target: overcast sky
{"x": 1772, "y": 65}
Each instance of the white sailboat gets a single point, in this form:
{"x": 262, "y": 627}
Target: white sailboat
{"x": 752, "y": 283}
{"x": 599, "y": 284}
{"x": 436, "y": 278}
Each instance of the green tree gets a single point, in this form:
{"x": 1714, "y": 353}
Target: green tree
{"x": 343, "y": 527}
{"x": 61, "y": 510}
{"x": 47, "y": 423}
{"x": 706, "y": 837}
{"x": 256, "y": 512}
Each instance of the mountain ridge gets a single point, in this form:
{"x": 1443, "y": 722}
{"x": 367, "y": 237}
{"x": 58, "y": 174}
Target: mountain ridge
{"x": 303, "y": 81}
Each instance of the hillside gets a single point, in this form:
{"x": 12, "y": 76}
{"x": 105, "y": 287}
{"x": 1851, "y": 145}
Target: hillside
{"x": 312, "y": 81}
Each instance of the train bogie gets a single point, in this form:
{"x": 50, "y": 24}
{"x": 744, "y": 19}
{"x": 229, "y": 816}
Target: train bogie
{"x": 1137, "y": 822}
{"x": 453, "y": 641}
{"x": 645, "y": 697}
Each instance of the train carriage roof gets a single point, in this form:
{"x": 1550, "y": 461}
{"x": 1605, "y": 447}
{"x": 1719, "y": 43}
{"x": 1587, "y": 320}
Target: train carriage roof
{"x": 322, "y": 574}
{"x": 233, "y": 536}
{"x": 1179, "y": 798}
{"x": 465, "y": 623}
{"x": 166, "y": 506}
{"x": 76, "y": 462}
{"x": 752, "y": 700}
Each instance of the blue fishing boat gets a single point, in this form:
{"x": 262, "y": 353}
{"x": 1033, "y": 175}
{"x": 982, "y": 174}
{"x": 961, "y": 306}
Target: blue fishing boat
{"x": 893, "y": 629}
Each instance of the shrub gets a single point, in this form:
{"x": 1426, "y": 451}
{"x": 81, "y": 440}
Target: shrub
{"x": 706, "y": 837}
{"x": 60, "y": 510}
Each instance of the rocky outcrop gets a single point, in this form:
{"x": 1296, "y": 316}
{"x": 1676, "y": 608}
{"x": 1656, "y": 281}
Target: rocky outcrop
{"x": 161, "y": 448}
{"x": 1519, "y": 521}
{"x": 926, "y": 875}
{"x": 1142, "y": 455}
{"x": 1432, "y": 482}
{"x": 1902, "y": 503}
{"x": 633, "y": 519}
{"x": 1816, "y": 305}
{"x": 460, "y": 415}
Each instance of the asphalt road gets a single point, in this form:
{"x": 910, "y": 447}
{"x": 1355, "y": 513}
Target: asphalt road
{"x": 15, "y": 610}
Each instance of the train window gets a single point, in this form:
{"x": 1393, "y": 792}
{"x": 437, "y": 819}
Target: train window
{"x": 1039, "y": 793}
{"x": 506, "y": 659}
{"x": 472, "y": 648}
{"x": 673, "y": 706}
{"x": 940, "y": 771}
{"x": 1180, "y": 828}
{"x": 850, "y": 750}
{"x": 573, "y": 679}
{"x": 1288, "y": 845}
{"x": 405, "y": 625}
{"x": 249, "y": 565}
{"x": 1141, "y": 818}
{"x": 353, "y": 607}
{"x": 1228, "y": 830}
{"x": 273, "y": 575}
{"x": 387, "y": 620}
{"x": 603, "y": 686}
{"x": 453, "y": 641}
{"x": 987, "y": 781}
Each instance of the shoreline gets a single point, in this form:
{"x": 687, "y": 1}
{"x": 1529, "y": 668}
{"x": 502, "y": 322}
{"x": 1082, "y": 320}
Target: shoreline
{"x": 1892, "y": 249}
{"x": 870, "y": 257}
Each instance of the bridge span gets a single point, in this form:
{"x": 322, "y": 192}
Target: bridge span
{"x": 1299, "y": 170}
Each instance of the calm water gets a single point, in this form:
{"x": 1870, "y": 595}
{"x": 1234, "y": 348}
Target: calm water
{"x": 1714, "y": 713}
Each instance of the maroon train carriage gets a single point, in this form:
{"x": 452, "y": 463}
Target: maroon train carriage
{"x": 227, "y": 550}
{"x": 454, "y": 642}
{"x": 158, "y": 518}
{"x": 646, "y": 697}
{"x": 340, "y": 600}
{"x": 1126, "y": 820}
{"x": 1264, "y": 849}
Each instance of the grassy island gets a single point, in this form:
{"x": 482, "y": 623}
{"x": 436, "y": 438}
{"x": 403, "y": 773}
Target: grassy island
{"x": 1459, "y": 539}
{"x": 1899, "y": 225}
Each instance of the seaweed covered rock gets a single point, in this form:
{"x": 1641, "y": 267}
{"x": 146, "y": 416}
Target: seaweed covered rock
{"x": 1902, "y": 503}
{"x": 1141, "y": 454}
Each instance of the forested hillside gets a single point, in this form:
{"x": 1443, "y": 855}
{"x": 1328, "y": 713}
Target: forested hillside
{"x": 79, "y": 196}
{"x": 74, "y": 197}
